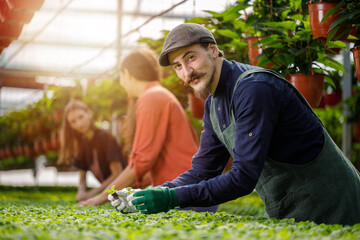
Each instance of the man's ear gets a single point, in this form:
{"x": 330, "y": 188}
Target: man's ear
{"x": 214, "y": 50}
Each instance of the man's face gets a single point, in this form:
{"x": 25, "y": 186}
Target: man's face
{"x": 195, "y": 65}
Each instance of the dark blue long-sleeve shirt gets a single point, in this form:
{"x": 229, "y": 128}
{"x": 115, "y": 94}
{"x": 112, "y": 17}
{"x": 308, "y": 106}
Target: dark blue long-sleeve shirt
{"x": 271, "y": 121}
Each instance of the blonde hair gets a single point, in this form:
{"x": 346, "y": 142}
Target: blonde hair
{"x": 70, "y": 140}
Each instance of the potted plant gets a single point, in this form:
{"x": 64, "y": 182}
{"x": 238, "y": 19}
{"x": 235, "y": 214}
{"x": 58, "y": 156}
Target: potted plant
{"x": 265, "y": 11}
{"x": 349, "y": 17}
{"x": 333, "y": 88}
{"x": 296, "y": 54}
{"x": 322, "y": 15}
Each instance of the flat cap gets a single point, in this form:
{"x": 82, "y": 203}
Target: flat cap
{"x": 184, "y": 35}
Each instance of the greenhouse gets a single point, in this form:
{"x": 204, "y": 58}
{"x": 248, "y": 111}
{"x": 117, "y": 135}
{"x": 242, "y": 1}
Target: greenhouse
{"x": 179, "y": 119}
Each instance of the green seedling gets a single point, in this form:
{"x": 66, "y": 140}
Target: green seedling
{"x": 112, "y": 191}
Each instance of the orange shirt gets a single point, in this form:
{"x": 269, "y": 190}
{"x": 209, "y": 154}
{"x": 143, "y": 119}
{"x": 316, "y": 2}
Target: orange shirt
{"x": 165, "y": 140}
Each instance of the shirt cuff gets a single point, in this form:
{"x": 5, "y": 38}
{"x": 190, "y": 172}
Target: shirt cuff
{"x": 186, "y": 195}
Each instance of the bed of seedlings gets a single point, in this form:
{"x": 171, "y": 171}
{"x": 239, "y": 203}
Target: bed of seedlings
{"x": 51, "y": 213}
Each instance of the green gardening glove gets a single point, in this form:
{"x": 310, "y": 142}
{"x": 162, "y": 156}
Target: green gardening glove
{"x": 154, "y": 200}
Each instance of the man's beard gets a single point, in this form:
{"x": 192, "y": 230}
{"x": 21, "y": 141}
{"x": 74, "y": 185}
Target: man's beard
{"x": 204, "y": 93}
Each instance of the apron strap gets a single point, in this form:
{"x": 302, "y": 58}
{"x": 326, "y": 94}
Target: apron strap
{"x": 276, "y": 74}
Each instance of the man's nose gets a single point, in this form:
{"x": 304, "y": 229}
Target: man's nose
{"x": 188, "y": 72}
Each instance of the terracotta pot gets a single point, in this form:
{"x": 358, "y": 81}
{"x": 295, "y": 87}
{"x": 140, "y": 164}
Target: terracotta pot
{"x": 8, "y": 15}
{"x": 255, "y": 51}
{"x": 8, "y": 152}
{"x": 356, "y": 53}
{"x": 2, "y": 153}
{"x": 317, "y": 12}
{"x": 38, "y": 147}
{"x": 55, "y": 142}
{"x": 311, "y": 87}
{"x": 196, "y": 105}
{"x": 30, "y": 131}
{"x": 352, "y": 33}
{"x": 332, "y": 99}
{"x": 25, "y": 5}
{"x": 333, "y": 51}
{"x": 28, "y": 150}
{"x": 45, "y": 145}
{"x": 18, "y": 151}
{"x": 356, "y": 131}
{"x": 57, "y": 116}
{"x": 5, "y": 42}
{"x": 322, "y": 102}
{"x": 11, "y": 31}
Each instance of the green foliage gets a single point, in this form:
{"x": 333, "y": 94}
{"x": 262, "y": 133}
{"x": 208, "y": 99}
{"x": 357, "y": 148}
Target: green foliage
{"x": 292, "y": 49}
{"x": 332, "y": 119}
{"x": 19, "y": 162}
{"x": 349, "y": 12}
{"x": 51, "y": 213}
{"x": 105, "y": 97}
{"x": 111, "y": 190}
{"x": 228, "y": 30}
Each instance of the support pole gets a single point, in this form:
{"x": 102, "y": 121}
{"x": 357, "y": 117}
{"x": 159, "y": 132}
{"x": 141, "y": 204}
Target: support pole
{"x": 346, "y": 93}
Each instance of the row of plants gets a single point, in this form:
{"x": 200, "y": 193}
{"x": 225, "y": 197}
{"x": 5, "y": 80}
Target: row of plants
{"x": 51, "y": 213}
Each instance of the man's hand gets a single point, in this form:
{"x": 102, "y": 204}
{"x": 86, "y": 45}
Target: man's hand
{"x": 120, "y": 202}
{"x": 154, "y": 200}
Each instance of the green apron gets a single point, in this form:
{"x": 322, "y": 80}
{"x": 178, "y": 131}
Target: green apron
{"x": 326, "y": 190}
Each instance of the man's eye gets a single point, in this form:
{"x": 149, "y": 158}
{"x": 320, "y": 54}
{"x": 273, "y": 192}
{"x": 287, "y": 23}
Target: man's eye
{"x": 177, "y": 67}
{"x": 191, "y": 57}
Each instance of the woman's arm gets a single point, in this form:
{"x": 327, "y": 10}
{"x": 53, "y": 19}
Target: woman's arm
{"x": 81, "y": 193}
{"x": 125, "y": 179}
{"x": 115, "y": 168}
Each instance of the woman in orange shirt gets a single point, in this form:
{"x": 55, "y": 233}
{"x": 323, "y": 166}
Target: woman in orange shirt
{"x": 163, "y": 138}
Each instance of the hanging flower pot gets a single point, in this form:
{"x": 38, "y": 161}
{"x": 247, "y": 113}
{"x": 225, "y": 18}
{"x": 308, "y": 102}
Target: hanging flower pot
{"x": 8, "y": 151}
{"x": 5, "y": 42}
{"x": 333, "y": 98}
{"x": 38, "y": 147}
{"x": 353, "y": 34}
{"x": 356, "y": 53}
{"x": 11, "y": 31}
{"x": 28, "y": 150}
{"x": 8, "y": 15}
{"x": 321, "y": 29}
{"x": 2, "y": 153}
{"x": 45, "y": 145}
{"x": 356, "y": 131}
{"x": 311, "y": 86}
{"x": 18, "y": 151}
{"x": 196, "y": 105}
{"x": 55, "y": 141}
{"x": 255, "y": 51}
{"x": 25, "y": 5}
{"x": 322, "y": 102}
{"x": 57, "y": 116}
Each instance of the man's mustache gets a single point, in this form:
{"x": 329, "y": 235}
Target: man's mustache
{"x": 193, "y": 76}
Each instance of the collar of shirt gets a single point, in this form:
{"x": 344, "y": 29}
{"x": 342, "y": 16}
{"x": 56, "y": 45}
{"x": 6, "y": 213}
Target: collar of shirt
{"x": 152, "y": 84}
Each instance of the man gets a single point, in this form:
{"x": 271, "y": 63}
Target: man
{"x": 279, "y": 146}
